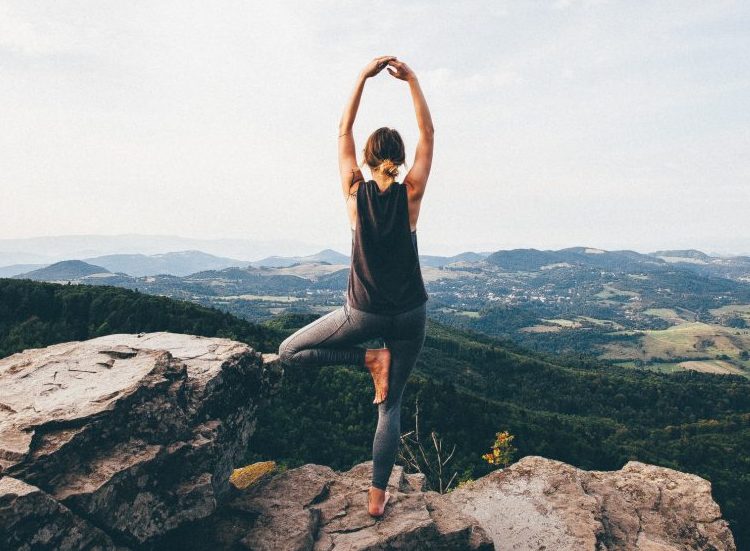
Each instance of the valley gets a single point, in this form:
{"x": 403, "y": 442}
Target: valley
{"x": 664, "y": 311}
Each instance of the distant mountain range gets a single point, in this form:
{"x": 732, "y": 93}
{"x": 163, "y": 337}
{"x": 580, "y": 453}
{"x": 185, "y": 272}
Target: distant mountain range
{"x": 185, "y": 263}
{"x": 180, "y": 263}
{"x": 36, "y": 252}
{"x": 47, "y": 250}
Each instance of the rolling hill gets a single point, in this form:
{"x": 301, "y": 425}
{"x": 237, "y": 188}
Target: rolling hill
{"x": 468, "y": 386}
{"x": 65, "y": 271}
{"x": 326, "y": 256}
{"x": 179, "y": 263}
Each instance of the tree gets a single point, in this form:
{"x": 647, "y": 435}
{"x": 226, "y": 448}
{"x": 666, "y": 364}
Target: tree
{"x": 502, "y": 450}
{"x": 430, "y": 461}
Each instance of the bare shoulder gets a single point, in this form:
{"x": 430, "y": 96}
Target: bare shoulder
{"x": 415, "y": 188}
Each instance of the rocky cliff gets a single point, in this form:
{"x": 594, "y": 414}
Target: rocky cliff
{"x": 120, "y": 439}
{"x": 128, "y": 442}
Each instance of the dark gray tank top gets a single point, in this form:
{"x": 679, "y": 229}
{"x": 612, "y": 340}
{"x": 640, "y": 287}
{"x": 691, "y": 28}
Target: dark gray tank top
{"x": 385, "y": 276}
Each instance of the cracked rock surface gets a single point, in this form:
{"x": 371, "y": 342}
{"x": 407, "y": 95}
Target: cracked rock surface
{"x": 540, "y": 503}
{"x": 314, "y": 508}
{"x": 537, "y": 504}
{"x": 123, "y": 437}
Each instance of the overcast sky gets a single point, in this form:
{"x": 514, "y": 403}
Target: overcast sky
{"x": 561, "y": 123}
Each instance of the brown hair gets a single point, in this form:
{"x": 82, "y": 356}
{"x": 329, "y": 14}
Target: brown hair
{"x": 384, "y": 150}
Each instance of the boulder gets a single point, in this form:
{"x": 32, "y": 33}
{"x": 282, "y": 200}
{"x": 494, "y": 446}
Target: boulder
{"x": 535, "y": 504}
{"x": 132, "y": 434}
{"x": 314, "y": 508}
{"x": 540, "y": 503}
{"x": 31, "y": 519}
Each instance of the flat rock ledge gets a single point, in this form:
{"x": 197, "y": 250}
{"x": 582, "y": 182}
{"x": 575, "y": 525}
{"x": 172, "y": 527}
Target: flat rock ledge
{"x": 314, "y": 508}
{"x": 537, "y": 504}
{"x": 115, "y": 441}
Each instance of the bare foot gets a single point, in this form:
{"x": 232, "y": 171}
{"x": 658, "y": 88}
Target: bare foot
{"x": 376, "y": 501}
{"x": 378, "y": 361}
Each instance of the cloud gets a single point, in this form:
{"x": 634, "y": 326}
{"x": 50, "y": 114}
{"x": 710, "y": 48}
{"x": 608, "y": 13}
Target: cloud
{"x": 23, "y": 36}
{"x": 218, "y": 119}
{"x": 566, "y": 4}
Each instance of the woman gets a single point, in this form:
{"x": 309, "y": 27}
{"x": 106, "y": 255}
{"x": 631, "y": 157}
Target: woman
{"x": 386, "y": 297}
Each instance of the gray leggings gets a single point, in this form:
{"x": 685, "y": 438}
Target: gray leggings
{"x": 331, "y": 340}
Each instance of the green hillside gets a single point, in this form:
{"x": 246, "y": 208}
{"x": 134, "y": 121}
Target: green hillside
{"x": 469, "y": 387}
{"x": 35, "y": 314}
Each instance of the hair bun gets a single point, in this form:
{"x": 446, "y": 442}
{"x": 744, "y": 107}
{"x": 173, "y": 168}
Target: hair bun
{"x": 389, "y": 167}
{"x": 384, "y": 151}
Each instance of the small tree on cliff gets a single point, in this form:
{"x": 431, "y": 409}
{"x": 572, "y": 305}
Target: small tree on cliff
{"x": 502, "y": 450}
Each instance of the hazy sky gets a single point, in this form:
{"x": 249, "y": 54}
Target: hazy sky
{"x": 561, "y": 123}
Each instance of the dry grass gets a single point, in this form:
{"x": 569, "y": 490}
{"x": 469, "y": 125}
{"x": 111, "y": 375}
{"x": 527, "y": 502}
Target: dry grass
{"x": 245, "y": 477}
{"x": 712, "y": 366}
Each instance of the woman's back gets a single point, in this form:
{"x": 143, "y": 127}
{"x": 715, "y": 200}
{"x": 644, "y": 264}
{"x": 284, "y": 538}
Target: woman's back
{"x": 385, "y": 276}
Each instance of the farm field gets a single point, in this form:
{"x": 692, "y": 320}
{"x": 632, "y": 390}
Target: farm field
{"x": 705, "y": 347}
{"x": 733, "y": 310}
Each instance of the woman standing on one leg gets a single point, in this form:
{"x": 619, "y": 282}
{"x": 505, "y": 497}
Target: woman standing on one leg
{"x": 386, "y": 297}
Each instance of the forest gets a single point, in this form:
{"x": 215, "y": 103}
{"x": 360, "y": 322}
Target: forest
{"x": 469, "y": 386}
{"x": 35, "y": 314}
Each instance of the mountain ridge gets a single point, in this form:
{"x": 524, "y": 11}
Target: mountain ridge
{"x": 189, "y": 261}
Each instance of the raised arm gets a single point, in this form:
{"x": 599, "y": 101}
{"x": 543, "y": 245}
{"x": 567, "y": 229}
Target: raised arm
{"x": 416, "y": 179}
{"x": 351, "y": 176}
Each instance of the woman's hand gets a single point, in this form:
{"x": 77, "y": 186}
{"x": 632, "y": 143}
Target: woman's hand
{"x": 402, "y": 72}
{"x": 377, "y": 65}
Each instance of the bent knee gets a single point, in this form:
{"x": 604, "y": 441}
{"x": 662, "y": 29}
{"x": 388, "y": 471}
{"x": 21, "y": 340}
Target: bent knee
{"x": 286, "y": 351}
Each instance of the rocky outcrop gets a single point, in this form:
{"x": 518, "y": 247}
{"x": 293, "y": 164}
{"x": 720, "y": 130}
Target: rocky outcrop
{"x": 314, "y": 508}
{"x": 128, "y": 442}
{"x": 32, "y": 519}
{"x": 540, "y": 503}
{"x": 125, "y": 435}
{"x": 535, "y": 504}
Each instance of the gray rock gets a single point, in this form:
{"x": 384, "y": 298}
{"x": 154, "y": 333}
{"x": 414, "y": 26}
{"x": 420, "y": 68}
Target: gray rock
{"x": 314, "y": 508}
{"x": 31, "y": 519}
{"x": 536, "y": 504}
{"x": 540, "y": 503}
{"x": 136, "y": 433}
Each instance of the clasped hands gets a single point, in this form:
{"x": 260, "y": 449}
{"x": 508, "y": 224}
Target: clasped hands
{"x": 396, "y": 68}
